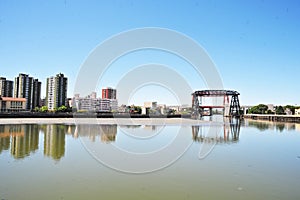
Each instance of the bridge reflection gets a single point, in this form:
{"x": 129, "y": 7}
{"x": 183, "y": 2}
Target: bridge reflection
{"x": 228, "y": 133}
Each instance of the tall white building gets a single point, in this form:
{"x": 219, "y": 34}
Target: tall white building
{"x": 56, "y": 91}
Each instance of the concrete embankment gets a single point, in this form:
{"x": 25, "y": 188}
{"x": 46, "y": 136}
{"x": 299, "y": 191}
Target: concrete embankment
{"x": 275, "y": 118}
{"x": 84, "y": 115}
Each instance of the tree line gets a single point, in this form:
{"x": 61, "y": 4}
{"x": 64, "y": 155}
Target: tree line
{"x": 278, "y": 110}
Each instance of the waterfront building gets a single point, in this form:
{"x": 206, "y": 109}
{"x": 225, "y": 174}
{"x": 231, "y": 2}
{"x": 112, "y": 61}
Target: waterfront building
{"x": 149, "y": 106}
{"x": 56, "y": 91}
{"x": 36, "y": 94}
{"x": 297, "y": 111}
{"x": 29, "y": 88}
{"x": 10, "y": 104}
{"x": 6, "y": 87}
{"x": 271, "y": 107}
{"x": 109, "y": 93}
{"x": 93, "y": 104}
{"x": 288, "y": 111}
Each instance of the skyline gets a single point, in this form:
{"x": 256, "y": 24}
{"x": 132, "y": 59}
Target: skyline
{"x": 254, "y": 45}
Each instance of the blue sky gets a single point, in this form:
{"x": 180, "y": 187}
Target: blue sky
{"x": 254, "y": 44}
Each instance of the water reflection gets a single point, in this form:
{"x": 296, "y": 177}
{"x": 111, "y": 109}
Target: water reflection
{"x": 230, "y": 133}
{"x": 24, "y": 140}
{"x": 54, "y": 141}
{"x": 21, "y": 139}
{"x": 268, "y": 125}
{"x": 106, "y": 133}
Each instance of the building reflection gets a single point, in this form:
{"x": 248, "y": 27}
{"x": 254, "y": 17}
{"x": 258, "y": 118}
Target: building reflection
{"x": 4, "y": 139}
{"x": 54, "y": 141}
{"x": 130, "y": 126}
{"x": 106, "y": 133}
{"x": 21, "y": 139}
{"x": 228, "y": 133}
{"x": 150, "y": 127}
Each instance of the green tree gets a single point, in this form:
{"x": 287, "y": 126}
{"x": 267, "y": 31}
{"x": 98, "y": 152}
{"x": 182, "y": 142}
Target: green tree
{"x": 292, "y": 108}
{"x": 135, "y": 109}
{"x": 259, "y": 109}
{"x": 44, "y": 109}
{"x": 279, "y": 110}
{"x": 62, "y": 109}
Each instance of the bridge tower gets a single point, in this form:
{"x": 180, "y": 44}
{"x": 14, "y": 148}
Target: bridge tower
{"x": 235, "y": 108}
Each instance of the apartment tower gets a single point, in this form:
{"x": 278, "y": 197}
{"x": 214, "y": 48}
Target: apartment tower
{"x": 29, "y": 88}
{"x": 56, "y": 91}
{"x": 6, "y": 87}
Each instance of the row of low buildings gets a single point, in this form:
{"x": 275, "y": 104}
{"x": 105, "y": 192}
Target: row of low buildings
{"x": 24, "y": 93}
{"x": 90, "y": 103}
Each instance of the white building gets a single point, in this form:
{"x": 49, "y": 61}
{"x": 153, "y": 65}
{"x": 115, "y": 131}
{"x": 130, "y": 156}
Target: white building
{"x": 56, "y": 91}
{"x": 149, "y": 106}
{"x": 93, "y": 104}
{"x": 297, "y": 111}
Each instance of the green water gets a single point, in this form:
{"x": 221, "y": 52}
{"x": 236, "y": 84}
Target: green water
{"x": 251, "y": 160}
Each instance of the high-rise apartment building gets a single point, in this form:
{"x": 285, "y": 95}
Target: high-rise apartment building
{"x": 109, "y": 93}
{"x": 36, "y": 93}
{"x": 6, "y": 87}
{"x": 29, "y": 88}
{"x": 56, "y": 91}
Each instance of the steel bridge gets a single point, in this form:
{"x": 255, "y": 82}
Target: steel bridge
{"x": 234, "y": 106}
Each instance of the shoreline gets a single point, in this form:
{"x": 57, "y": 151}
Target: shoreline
{"x": 117, "y": 121}
{"x": 274, "y": 118}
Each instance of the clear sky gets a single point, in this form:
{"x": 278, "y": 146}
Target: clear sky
{"x": 254, "y": 44}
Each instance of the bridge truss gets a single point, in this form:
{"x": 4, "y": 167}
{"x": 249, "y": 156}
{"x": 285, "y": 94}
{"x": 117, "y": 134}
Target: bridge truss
{"x": 234, "y": 107}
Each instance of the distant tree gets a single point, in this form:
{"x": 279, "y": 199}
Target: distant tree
{"x": 62, "y": 109}
{"x": 44, "y": 109}
{"x": 292, "y": 108}
{"x": 270, "y": 112}
{"x": 138, "y": 109}
{"x": 259, "y": 109}
{"x": 135, "y": 109}
{"x": 171, "y": 111}
{"x": 36, "y": 109}
{"x": 279, "y": 110}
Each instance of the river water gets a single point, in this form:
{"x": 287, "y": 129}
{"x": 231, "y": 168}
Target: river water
{"x": 239, "y": 160}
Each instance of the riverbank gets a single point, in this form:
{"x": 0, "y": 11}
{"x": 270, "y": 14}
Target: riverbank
{"x": 84, "y": 115}
{"x": 274, "y": 118}
{"x": 118, "y": 121}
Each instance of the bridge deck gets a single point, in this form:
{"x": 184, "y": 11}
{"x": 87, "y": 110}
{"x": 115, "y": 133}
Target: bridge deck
{"x": 212, "y": 106}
